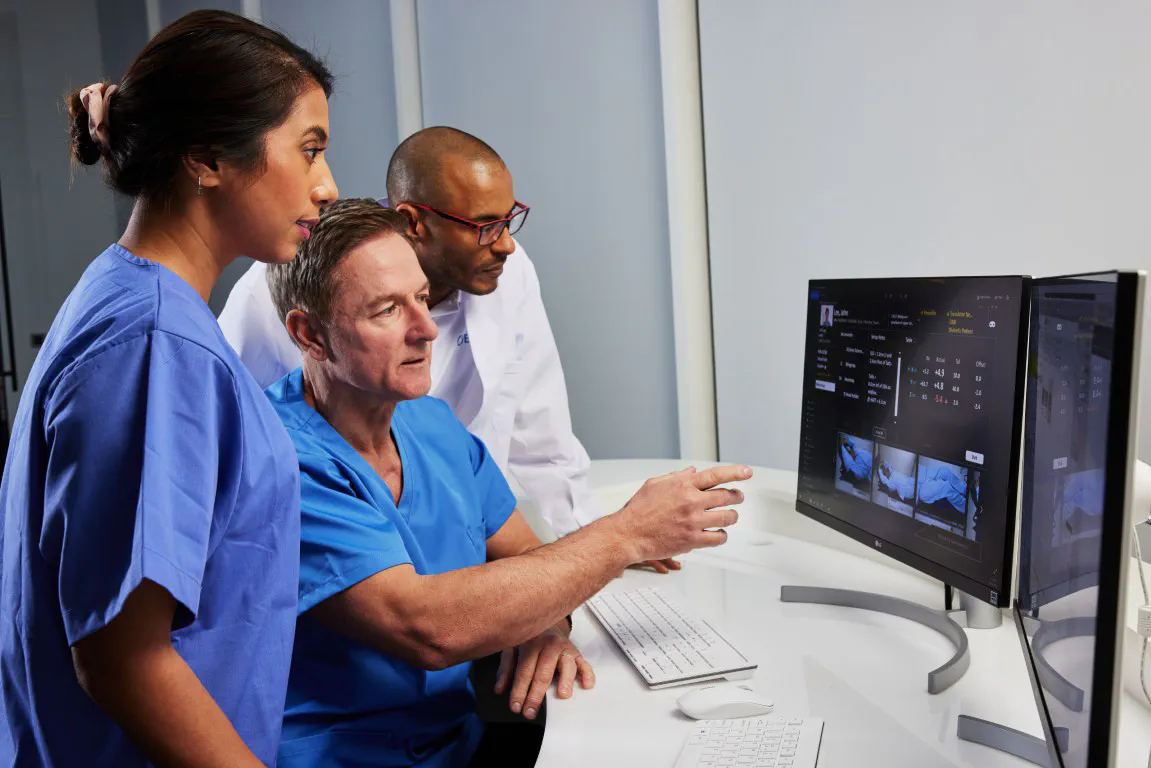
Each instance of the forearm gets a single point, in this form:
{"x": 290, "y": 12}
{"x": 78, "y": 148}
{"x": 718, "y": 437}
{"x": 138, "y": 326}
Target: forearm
{"x": 162, "y": 706}
{"x": 440, "y": 620}
{"x": 513, "y": 600}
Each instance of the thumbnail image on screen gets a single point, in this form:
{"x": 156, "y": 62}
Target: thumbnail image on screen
{"x": 853, "y": 462}
{"x": 915, "y": 387}
{"x": 894, "y": 486}
{"x": 942, "y": 495}
{"x": 1077, "y": 507}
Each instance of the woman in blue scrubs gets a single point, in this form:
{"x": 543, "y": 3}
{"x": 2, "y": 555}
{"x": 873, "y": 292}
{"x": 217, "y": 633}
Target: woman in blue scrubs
{"x": 149, "y": 546}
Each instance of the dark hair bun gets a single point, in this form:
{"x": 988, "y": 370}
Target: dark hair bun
{"x": 211, "y": 82}
{"x": 84, "y": 150}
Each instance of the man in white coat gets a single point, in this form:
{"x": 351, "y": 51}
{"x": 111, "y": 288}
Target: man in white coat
{"x": 495, "y": 360}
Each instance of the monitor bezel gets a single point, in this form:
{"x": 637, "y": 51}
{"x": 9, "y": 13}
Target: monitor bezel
{"x": 1122, "y": 429}
{"x": 920, "y": 563}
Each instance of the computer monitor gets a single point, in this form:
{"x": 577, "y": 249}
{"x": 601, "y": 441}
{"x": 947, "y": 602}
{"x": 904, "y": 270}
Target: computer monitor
{"x": 1078, "y": 469}
{"x": 912, "y": 413}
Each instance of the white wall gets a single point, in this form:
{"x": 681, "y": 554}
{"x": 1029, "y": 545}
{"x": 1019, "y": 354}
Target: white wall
{"x": 569, "y": 95}
{"x": 902, "y": 137}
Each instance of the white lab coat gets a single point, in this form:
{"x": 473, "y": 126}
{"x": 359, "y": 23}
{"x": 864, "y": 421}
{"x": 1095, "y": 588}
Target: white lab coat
{"x": 523, "y": 418}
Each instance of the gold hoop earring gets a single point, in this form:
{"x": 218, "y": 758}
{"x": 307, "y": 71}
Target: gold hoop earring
{"x": 199, "y": 188}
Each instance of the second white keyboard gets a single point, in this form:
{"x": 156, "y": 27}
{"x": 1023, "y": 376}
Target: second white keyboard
{"x": 754, "y": 742}
{"x": 664, "y": 642}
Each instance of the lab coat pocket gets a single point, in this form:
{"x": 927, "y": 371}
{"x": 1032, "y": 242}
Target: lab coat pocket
{"x": 505, "y": 406}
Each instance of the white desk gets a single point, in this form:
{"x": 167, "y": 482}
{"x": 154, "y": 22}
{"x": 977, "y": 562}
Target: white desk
{"x": 863, "y": 673}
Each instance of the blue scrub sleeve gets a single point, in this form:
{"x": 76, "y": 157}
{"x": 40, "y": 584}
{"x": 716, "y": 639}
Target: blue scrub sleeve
{"x": 343, "y": 538}
{"x": 144, "y": 450}
{"x": 496, "y": 498}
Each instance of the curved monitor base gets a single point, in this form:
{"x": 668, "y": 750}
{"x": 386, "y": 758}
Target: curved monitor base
{"x": 1049, "y": 633}
{"x": 1024, "y": 746}
{"x": 938, "y": 680}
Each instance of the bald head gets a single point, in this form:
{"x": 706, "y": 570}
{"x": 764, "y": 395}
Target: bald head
{"x": 417, "y": 169}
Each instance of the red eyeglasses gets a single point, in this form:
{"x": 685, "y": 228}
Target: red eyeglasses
{"x": 488, "y": 231}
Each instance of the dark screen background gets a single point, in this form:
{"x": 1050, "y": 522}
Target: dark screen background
{"x": 1065, "y": 456}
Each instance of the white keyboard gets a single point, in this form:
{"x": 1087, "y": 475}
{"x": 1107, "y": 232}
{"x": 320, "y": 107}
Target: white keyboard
{"x": 665, "y": 643}
{"x": 754, "y": 742}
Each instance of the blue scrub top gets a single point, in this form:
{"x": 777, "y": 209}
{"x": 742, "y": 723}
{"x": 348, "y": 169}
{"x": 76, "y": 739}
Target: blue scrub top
{"x": 350, "y": 705}
{"x": 142, "y": 449}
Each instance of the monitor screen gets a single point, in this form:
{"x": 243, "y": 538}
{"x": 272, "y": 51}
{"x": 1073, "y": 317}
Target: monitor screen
{"x": 912, "y": 406}
{"x": 1073, "y": 539}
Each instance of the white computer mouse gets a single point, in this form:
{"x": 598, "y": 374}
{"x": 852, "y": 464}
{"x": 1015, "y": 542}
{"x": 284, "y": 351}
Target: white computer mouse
{"x": 721, "y": 702}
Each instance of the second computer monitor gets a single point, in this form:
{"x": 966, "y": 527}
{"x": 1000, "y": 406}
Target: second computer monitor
{"x": 912, "y": 406}
{"x": 1078, "y": 464}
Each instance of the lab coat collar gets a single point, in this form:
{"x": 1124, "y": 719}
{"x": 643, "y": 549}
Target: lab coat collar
{"x": 450, "y": 304}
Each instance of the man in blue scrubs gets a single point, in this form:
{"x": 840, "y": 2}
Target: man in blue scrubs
{"x": 414, "y": 560}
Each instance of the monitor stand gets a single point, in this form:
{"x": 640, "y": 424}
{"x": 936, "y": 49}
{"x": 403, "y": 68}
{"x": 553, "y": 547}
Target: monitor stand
{"x": 938, "y": 680}
{"x": 999, "y": 737}
{"x": 979, "y": 615}
{"x": 1011, "y": 741}
{"x": 1048, "y": 633}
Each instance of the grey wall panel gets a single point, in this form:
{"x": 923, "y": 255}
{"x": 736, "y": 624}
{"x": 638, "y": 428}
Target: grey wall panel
{"x": 569, "y": 95}
{"x": 170, "y": 10}
{"x": 354, "y": 37}
{"x": 57, "y": 219}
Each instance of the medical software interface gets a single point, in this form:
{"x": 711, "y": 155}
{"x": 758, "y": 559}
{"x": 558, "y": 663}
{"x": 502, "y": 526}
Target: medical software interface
{"x": 1066, "y": 437}
{"x": 1065, "y": 454}
{"x": 909, "y": 405}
